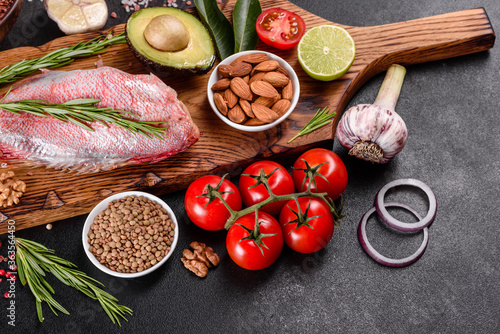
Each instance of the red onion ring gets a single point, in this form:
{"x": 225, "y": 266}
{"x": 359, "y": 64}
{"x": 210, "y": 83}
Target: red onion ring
{"x": 365, "y": 244}
{"x": 397, "y": 224}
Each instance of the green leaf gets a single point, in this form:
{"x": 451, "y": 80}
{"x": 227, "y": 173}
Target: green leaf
{"x": 80, "y": 124}
{"x": 39, "y": 310}
{"x": 52, "y": 111}
{"x": 218, "y": 25}
{"x": 79, "y": 53}
{"x": 35, "y": 101}
{"x": 245, "y": 16}
{"x": 81, "y": 101}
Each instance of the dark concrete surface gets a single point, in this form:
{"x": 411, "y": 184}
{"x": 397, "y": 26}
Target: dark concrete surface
{"x": 451, "y": 108}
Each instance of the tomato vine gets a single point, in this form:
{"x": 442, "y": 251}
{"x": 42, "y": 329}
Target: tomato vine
{"x": 263, "y": 179}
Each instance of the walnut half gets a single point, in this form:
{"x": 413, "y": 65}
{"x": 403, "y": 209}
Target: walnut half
{"x": 200, "y": 259}
{"x": 11, "y": 189}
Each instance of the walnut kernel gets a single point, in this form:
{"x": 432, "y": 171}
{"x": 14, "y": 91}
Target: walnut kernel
{"x": 200, "y": 259}
{"x": 11, "y": 189}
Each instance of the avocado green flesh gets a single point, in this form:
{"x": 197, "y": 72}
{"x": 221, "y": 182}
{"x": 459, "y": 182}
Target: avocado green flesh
{"x": 199, "y": 55}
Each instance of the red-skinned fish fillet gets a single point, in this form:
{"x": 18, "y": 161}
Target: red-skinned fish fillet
{"x": 50, "y": 142}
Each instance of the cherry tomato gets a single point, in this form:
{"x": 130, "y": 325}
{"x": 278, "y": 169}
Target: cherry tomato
{"x": 255, "y": 248}
{"x": 298, "y": 235}
{"x": 280, "y": 28}
{"x": 214, "y": 216}
{"x": 333, "y": 171}
{"x": 280, "y": 182}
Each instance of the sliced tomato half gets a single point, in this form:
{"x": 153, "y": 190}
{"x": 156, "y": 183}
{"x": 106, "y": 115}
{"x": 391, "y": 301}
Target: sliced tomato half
{"x": 280, "y": 28}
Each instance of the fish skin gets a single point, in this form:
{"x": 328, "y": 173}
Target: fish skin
{"x": 52, "y": 143}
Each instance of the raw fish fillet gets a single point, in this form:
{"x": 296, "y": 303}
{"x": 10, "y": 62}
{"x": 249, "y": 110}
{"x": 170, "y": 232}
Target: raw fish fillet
{"x": 52, "y": 143}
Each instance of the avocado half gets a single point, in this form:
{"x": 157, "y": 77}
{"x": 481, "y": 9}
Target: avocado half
{"x": 197, "y": 57}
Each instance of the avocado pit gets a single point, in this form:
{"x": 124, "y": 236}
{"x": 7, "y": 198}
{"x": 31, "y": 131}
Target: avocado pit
{"x": 167, "y": 33}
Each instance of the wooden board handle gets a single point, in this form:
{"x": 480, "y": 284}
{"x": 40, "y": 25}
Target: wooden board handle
{"x": 422, "y": 40}
{"x": 413, "y": 42}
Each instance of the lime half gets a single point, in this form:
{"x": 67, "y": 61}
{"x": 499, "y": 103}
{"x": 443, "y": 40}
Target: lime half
{"x": 326, "y": 52}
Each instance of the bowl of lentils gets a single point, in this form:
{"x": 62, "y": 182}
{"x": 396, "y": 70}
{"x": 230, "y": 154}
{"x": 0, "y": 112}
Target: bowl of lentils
{"x": 130, "y": 234}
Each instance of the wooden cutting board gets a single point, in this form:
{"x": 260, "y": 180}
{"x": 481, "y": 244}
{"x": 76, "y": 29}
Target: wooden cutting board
{"x": 54, "y": 195}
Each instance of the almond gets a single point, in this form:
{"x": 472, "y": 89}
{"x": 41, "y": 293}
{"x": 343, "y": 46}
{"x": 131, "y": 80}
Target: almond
{"x": 275, "y": 79}
{"x": 241, "y": 88}
{"x": 230, "y": 97}
{"x": 240, "y": 70}
{"x": 282, "y": 71}
{"x": 266, "y": 66}
{"x": 267, "y": 101}
{"x": 287, "y": 92}
{"x": 220, "y": 103}
{"x": 237, "y": 60}
{"x": 254, "y": 58}
{"x": 247, "y": 108}
{"x": 222, "y": 84}
{"x": 264, "y": 113}
{"x": 256, "y": 77}
{"x": 224, "y": 70}
{"x": 246, "y": 78}
{"x": 263, "y": 88}
{"x": 254, "y": 122}
{"x": 281, "y": 107}
{"x": 236, "y": 114}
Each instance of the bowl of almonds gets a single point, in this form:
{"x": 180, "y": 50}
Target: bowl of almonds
{"x": 253, "y": 90}
{"x": 130, "y": 234}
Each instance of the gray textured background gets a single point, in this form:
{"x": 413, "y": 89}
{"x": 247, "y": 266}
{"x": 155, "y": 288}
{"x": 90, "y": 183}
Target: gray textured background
{"x": 451, "y": 110}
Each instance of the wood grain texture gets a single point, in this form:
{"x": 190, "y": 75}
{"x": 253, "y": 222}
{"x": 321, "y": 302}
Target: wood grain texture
{"x": 54, "y": 195}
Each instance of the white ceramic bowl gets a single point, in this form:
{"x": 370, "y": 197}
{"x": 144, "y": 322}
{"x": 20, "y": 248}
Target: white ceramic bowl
{"x": 101, "y": 207}
{"x": 214, "y": 77}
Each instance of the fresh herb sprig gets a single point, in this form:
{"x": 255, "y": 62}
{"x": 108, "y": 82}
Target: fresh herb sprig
{"x": 82, "y": 111}
{"x": 58, "y": 57}
{"x": 34, "y": 260}
{"x": 320, "y": 119}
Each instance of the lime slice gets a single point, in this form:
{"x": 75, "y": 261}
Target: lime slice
{"x": 326, "y": 52}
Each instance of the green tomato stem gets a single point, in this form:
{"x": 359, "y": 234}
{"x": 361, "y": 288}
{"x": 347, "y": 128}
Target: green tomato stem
{"x": 310, "y": 173}
{"x": 235, "y": 215}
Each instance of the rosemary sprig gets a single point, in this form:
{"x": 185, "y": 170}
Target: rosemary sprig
{"x": 320, "y": 119}
{"x": 58, "y": 57}
{"x": 34, "y": 260}
{"x": 82, "y": 111}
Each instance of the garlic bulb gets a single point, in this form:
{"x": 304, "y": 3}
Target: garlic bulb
{"x": 375, "y": 132}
